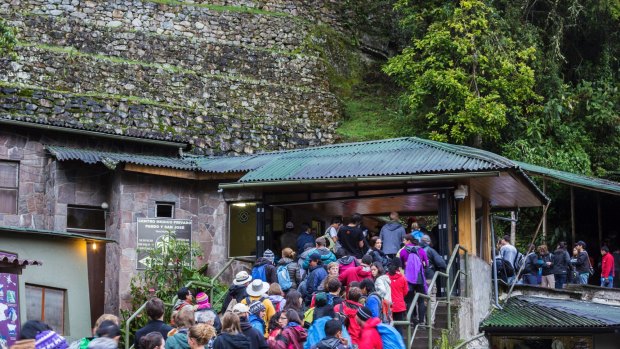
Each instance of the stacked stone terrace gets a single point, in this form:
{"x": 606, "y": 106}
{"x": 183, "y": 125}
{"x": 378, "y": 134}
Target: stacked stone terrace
{"x": 227, "y": 76}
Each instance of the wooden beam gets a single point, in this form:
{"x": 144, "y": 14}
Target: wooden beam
{"x": 466, "y": 212}
{"x": 176, "y": 173}
{"x": 486, "y": 231}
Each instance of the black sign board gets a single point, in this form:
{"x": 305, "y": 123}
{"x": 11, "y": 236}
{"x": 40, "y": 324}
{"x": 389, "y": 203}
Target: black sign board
{"x": 153, "y": 232}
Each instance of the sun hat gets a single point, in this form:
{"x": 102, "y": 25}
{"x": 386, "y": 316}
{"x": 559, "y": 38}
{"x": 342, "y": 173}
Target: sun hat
{"x": 256, "y": 307}
{"x": 240, "y": 308}
{"x": 257, "y": 288}
{"x": 290, "y": 225}
{"x": 242, "y": 278}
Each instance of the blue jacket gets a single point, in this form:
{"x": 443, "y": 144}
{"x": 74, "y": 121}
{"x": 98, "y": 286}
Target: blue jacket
{"x": 303, "y": 239}
{"x": 326, "y": 256}
{"x": 317, "y": 275}
{"x": 373, "y": 302}
{"x": 257, "y": 323}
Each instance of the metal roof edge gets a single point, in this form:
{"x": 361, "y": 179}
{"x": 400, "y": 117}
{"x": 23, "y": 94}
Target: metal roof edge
{"x": 464, "y": 150}
{"x": 51, "y": 233}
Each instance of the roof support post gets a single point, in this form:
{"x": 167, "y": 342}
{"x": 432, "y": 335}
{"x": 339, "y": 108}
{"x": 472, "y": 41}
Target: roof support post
{"x": 599, "y": 218}
{"x": 544, "y": 224}
{"x": 572, "y": 215}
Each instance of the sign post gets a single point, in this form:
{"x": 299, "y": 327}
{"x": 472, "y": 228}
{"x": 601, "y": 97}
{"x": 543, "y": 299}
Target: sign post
{"x": 154, "y": 232}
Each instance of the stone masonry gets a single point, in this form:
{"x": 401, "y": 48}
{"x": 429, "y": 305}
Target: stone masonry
{"x": 225, "y": 76}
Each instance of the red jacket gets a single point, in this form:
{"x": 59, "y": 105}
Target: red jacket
{"x": 354, "y": 274}
{"x": 294, "y": 337}
{"x": 372, "y": 339}
{"x": 607, "y": 267}
{"x": 349, "y": 311}
{"x": 400, "y": 288}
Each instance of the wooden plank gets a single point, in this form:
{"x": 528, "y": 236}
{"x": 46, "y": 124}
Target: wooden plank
{"x": 171, "y": 172}
{"x": 466, "y": 213}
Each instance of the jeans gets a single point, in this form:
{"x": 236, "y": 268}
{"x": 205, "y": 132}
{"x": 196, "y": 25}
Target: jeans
{"x": 560, "y": 281}
{"x": 607, "y": 283}
{"x": 583, "y": 278}
{"x": 529, "y": 279}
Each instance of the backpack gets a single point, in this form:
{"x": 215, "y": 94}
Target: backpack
{"x": 385, "y": 311}
{"x": 329, "y": 241}
{"x": 284, "y": 277}
{"x": 316, "y": 332}
{"x": 347, "y": 313}
{"x": 390, "y": 336}
{"x": 309, "y": 316}
{"x": 518, "y": 262}
{"x": 259, "y": 272}
{"x": 231, "y": 305}
{"x": 414, "y": 263}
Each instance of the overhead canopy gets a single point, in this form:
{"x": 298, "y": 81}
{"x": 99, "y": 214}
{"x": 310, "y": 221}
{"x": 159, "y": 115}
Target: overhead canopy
{"x": 590, "y": 183}
{"x": 528, "y": 314}
{"x": 56, "y": 234}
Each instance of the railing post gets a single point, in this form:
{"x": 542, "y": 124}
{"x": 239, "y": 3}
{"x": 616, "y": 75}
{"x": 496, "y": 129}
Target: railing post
{"x": 429, "y": 318}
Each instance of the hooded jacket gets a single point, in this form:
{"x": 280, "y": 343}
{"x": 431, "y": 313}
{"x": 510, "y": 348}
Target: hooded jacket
{"x": 330, "y": 343}
{"x": 372, "y": 339}
{"x": 561, "y": 262}
{"x": 347, "y": 262}
{"x": 231, "y": 341}
{"x": 392, "y": 235}
{"x": 178, "y": 341}
{"x": 326, "y": 256}
{"x": 292, "y": 337}
{"x": 316, "y": 277}
{"x": 354, "y": 274}
{"x": 293, "y": 271}
{"x": 399, "y": 288}
{"x": 256, "y": 338}
{"x": 236, "y": 292}
{"x": 270, "y": 269}
{"x": 382, "y": 286}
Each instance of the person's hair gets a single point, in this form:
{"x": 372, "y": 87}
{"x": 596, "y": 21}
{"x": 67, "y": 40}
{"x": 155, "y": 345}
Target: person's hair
{"x": 393, "y": 215}
{"x": 532, "y": 248}
{"x": 108, "y": 329}
{"x": 155, "y": 308}
{"x": 336, "y": 220}
{"x": 379, "y": 267}
{"x": 293, "y": 316}
{"x": 367, "y": 259}
{"x": 305, "y": 226}
{"x": 109, "y": 317}
{"x": 320, "y": 241}
{"x": 151, "y": 340}
{"x": 395, "y": 265}
{"x": 205, "y": 316}
{"x": 273, "y": 322}
{"x": 415, "y": 226}
{"x": 202, "y": 333}
{"x": 542, "y": 249}
{"x": 292, "y": 300}
{"x": 373, "y": 241}
{"x": 31, "y": 328}
{"x": 288, "y": 253}
{"x": 506, "y": 238}
{"x": 231, "y": 323}
{"x": 354, "y": 284}
{"x": 356, "y": 218}
{"x": 409, "y": 238}
{"x": 354, "y": 294}
{"x": 332, "y": 264}
{"x": 605, "y": 248}
{"x": 185, "y": 317}
{"x": 332, "y": 327}
{"x": 368, "y": 285}
{"x": 341, "y": 252}
{"x": 275, "y": 289}
{"x": 333, "y": 284}
{"x": 562, "y": 245}
{"x": 183, "y": 292}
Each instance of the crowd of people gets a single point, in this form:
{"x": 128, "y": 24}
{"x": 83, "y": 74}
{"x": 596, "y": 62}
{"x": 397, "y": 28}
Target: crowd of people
{"x": 539, "y": 266}
{"x": 342, "y": 289}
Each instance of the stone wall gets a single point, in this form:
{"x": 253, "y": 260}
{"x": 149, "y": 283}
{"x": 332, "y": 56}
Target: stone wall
{"x": 227, "y": 76}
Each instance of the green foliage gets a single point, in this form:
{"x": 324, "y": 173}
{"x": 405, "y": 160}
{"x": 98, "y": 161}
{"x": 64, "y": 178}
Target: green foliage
{"x": 465, "y": 79}
{"x": 7, "y": 39}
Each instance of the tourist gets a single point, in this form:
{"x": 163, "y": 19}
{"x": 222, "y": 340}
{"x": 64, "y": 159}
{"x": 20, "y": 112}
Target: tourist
{"x": 257, "y": 314}
{"x": 346, "y": 312}
{"x": 548, "y": 279}
{"x": 204, "y": 314}
{"x": 49, "y": 339}
{"x": 322, "y": 307}
{"x": 331, "y": 235}
{"x": 289, "y": 238}
{"x": 375, "y": 251}
{"x": 358, "y": 273}
{"x": 333, "y": 269}
{"x": 292, "y": 335}
{"x": 294, "y": 300}
{"x": 264, "y": 268}
{"x": 237, "y": 290}
{"x": 288, "y": 260}
{"x": 316, "y": 276}
{"x": 382, "y": 281}
{"x": 530, "y": 270}
{"x": 582, "y": 263}
{"x": 256, "y": 337}
{"x": 414, "y": 259}
{"x": 351, "y": 237}
{"x": 333, "y": 337}
{"x": 326, "y": 255}
{"x": 399, "y": 289}
{"x": 184, "y": 298}
{"x": 152, "y": 340}
{"x": 391, "y": 235}
{"x": 200, "y": 335}
{"x": 373, "y": 301}
{"x": 607, "y": 268}
{"x": 561, "y": 265}
{"x": 305, "y": 237}
{"x": 508, "y": 253}
{"x": 276, "y": 296}
{"x": 368, "y": 324}
{"x": 231, "y": 336}
{"x": 155, "y": 312}
{"x": 435, "y": 263}
{"x": 184, "y": 320}
{"x": 257, "y": 291}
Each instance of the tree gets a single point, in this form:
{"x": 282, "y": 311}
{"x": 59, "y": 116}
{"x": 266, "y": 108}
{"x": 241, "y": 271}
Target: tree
{"x": 465, "y": 79}
{"x": 7, "y": 39}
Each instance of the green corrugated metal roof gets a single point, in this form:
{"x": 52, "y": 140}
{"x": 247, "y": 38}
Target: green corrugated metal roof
{"x": 529, "y": 313}
{"x": 593, "y": 183}
{"x": 60, "y": 234}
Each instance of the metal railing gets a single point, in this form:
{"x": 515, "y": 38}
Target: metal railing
{"x": 451, "y": 284}
{"x": 207, "y": 286}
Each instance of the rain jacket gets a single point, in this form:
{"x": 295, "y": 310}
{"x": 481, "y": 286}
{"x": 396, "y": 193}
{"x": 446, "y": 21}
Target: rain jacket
{"x": 392, "y": 235}
{"x": 178, "y": 341}
{"x": 372, "y": 339}
{"x": 326, "y": 256}
{"x": 292, "y": 336}
{"x": 231, "y": 341}
{"x": 354, "y": 274}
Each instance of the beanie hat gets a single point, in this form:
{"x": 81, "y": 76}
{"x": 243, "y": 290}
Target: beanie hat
{"x": 269, "y": 255}
{"x": 202, "y": 301}
{"x": 315, "y": 257}
{"x": 50, "y": 340}
{"x": 364, "y": 313}
{"x": 320, "y": 299}
{"x": 256, "y": 307}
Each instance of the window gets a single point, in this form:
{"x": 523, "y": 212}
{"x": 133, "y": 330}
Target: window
{"x": 9, "y": 181}
{"x": 164, "y": 209}
{"x": 85, "y": 218}
{"x": 46, "y": 304}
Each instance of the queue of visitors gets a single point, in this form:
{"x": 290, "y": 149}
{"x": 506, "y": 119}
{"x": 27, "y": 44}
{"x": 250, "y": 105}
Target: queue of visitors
{"x": 540, "y": 266}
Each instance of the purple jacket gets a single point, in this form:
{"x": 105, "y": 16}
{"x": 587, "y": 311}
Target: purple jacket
{"x": 410, "y": 274}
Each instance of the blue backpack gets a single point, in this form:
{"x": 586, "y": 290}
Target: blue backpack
{"x": 390, "y": 337}
{"x": 284, "y": 277}
{"x": 259, "y": 272}
{"x": 316, "y": 332}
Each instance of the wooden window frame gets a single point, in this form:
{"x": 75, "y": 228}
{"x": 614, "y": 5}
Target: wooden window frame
{"x": 16, "y": 187}
{"x": 64, "y": 300}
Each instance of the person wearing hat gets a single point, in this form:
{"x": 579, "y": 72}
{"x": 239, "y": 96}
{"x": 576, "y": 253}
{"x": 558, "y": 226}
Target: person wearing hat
{"x": 368, "y": 323}
{"x": 326, "y": 254}
{"x": 237, "y": 290}
{"x": 304, "y": 237}
{"x": 184, "y": 298}
{"x": 265, "y": 269}
{"x": 257, "y": 314}
{"x": 289, "y": 237}
{"x": 204, "y": 314}
{"x": 256, "y": 337}
{"x": 257, "y": 291}
{"x": 582, "y": 264}
{"x": 315, "y": 278}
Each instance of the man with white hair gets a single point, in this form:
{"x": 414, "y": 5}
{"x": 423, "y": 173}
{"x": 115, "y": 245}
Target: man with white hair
{"x": 392, "y": 235}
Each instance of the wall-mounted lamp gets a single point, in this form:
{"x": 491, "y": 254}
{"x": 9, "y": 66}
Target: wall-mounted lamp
{"x": 461, "y": 192}
{"x": 94, "y": 246}
{"x": 240, "y": 204}
{"x": 104, "y": 205}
